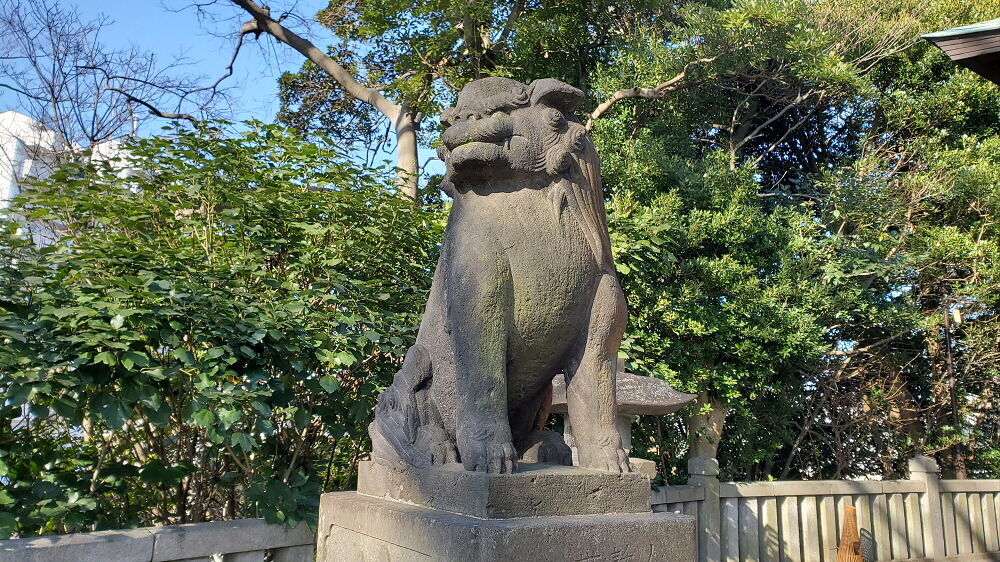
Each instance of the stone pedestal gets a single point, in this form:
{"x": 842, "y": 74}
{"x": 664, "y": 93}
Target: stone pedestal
{"x": 544, "y": 513}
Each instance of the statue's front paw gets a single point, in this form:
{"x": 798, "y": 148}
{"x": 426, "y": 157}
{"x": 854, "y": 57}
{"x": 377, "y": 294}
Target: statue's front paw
{"x": 606, "y": 455}
{"x": 488, "y": 454}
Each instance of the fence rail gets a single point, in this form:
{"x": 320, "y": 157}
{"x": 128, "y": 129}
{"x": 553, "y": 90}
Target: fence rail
{"x": 242, "y": 540}
{"x": 923, "y": 518}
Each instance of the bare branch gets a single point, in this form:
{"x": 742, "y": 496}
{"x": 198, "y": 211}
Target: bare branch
{"x": 152, "y": 109}
{"x": 22, "y": 92}
{"x": 867, "y": 348}
{"x": 85, "y": 93}
{"x": 799, "y": 98}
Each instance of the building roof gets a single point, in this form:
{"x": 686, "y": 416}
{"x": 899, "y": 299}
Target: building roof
{"x": 976, "y": 47}
{"x": 992, "y": 25}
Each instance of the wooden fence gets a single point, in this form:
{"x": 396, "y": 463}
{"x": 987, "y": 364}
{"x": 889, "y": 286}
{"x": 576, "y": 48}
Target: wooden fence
{"x": 923, "y": 518}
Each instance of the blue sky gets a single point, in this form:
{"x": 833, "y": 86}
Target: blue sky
{"x": 205, "y": 47}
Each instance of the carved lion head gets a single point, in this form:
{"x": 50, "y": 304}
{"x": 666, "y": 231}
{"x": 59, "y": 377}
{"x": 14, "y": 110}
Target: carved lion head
{"x": 502, "y": 129}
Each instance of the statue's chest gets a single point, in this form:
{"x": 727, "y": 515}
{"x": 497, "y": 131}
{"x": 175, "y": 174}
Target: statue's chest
{"x": 541, "y": 237}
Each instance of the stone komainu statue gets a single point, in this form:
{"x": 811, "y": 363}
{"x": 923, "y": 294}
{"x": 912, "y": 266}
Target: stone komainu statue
{"x": 525, "y": 288}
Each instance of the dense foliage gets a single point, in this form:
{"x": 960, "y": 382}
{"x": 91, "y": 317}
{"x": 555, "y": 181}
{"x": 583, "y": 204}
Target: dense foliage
{"x": 802, "y": 221}
{"x": 207, "y": 336}
{"x": 805, "y": 224}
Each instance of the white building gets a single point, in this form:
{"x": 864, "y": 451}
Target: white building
{"x": 27, "y": 149}
{"x": 30, "y": 150}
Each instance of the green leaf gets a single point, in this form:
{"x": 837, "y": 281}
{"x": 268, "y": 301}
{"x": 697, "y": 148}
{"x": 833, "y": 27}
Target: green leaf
{"x": 243, "y": 441}
{"x": 228, "y": 416}
{"x": 302, "y": 418}
{"x": 185, "y": 356}
{"x": 68, "y": 408}
{"x": 203, "y": 418}
{"x": 157, "y": 411}
{"x": 106, "y": 357}
{"x": 261, "y": 407}
{"x": 110, "y": 409}
{"x": 346, "y": 358}
{"x": 329, "y": 383}
{"x": 8, "y": 523}
{"x": 131, "y": 358}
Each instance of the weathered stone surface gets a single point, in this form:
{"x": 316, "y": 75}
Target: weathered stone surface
{"x": 536, "y": 490}
{"x": 357, "y": 528}
{"x": 197, "y": 540}
{"x": 636, "y": 395}
{"x": 645, "y": 467}
{"x": 107, "y": 546}
{"x": 525, "y": 288}
{"x": 242, "y": 540}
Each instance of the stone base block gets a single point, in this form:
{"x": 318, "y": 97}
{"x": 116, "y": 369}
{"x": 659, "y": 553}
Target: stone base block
{"x": 358, "y": 528}
{"x": 535, "y": 490}
{"x": 643, "y": 466}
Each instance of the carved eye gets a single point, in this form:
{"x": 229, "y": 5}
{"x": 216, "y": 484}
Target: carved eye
{"x": 555, "y": 118}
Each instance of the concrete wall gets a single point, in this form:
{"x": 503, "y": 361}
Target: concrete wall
{"x": 243, "y": 540}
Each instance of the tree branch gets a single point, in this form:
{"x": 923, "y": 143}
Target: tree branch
{"x": 515, "y": 13}
{"x": 262, "y": 22}
{"x": 659, "y": 92}
{"x": 859, "y": 350}
{"x": 23, "y": 92}
{"x": 153, "y": 109}
{"x": 799, "y": 98}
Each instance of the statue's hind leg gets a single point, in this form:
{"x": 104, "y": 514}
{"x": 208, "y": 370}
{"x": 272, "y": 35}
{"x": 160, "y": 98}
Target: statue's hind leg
{"x": 590, "y": 381}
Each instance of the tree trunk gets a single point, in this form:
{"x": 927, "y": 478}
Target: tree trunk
{"x": 402, "y": 118}
{"x": 705, "y": 429}
{"x": 406, "y": 148}
{"x": 958, "y": 449}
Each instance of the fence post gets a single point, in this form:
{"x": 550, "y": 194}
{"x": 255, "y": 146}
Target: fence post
{"x": 925, "y": 470}
{"x": 704, "y": 472}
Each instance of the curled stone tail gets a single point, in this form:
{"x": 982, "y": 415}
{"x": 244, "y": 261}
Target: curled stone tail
{"x": 406, "y": 418}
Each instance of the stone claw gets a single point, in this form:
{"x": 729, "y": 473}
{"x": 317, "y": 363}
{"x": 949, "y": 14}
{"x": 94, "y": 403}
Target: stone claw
{"x": 443, "y": 453}
{"x": 495, "y": 456}
{"x": 607, "y": 455}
